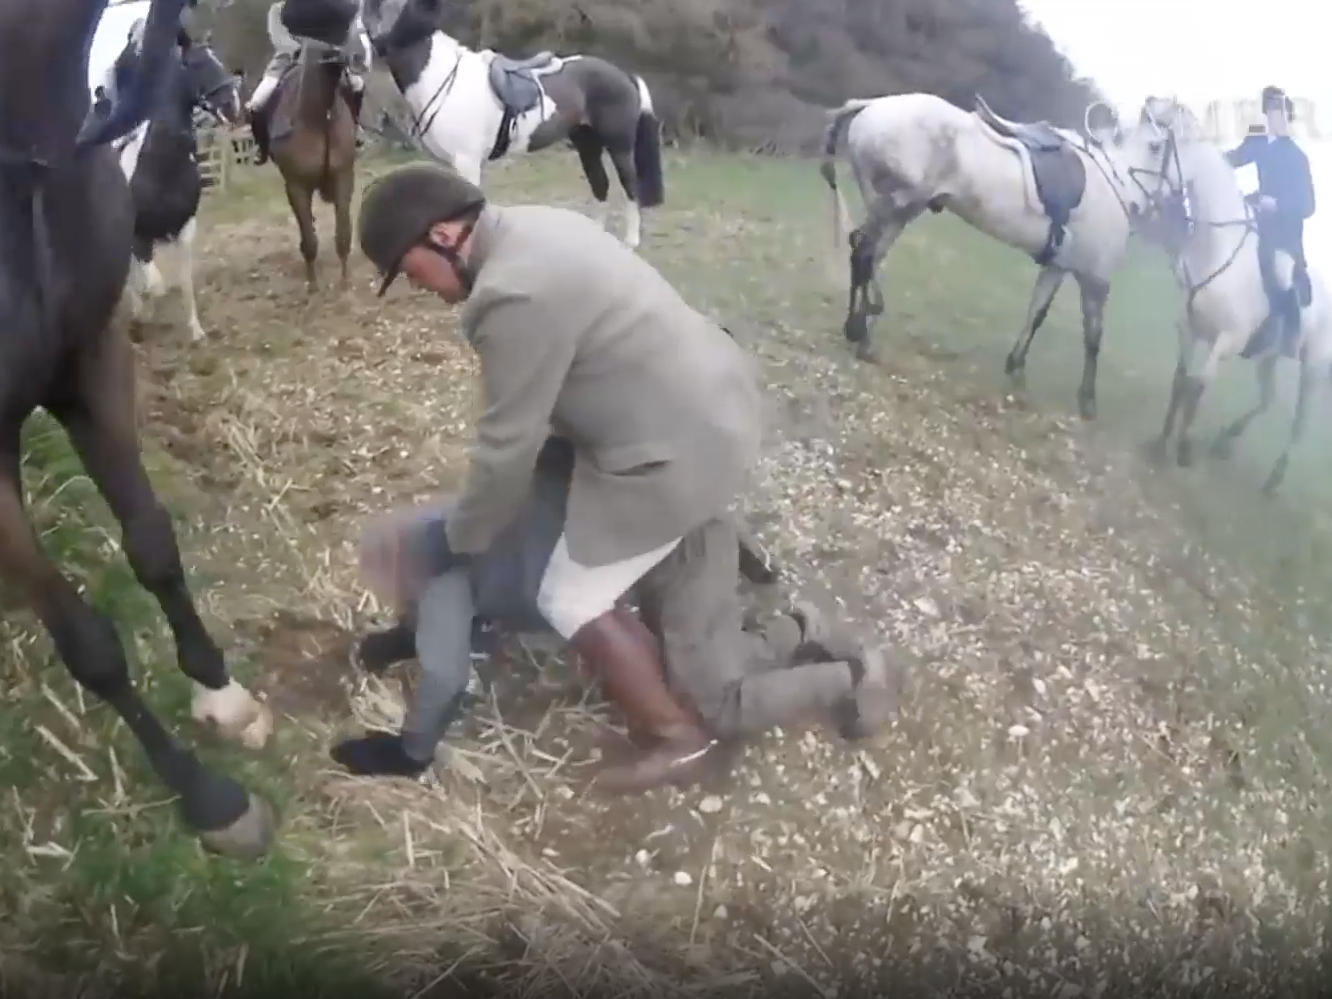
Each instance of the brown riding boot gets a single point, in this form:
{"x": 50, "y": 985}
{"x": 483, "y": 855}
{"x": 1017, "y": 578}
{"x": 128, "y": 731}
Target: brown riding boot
{"x": 621, "y": 653}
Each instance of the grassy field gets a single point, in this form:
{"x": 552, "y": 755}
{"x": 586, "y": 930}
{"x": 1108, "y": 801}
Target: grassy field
{"x": 1112, "y": 763}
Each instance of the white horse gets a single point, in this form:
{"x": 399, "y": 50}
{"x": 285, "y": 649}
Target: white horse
{"x": 1217, "y": 267}
{"x": 1058, "y": 195}
{"x": 471, "y": 107}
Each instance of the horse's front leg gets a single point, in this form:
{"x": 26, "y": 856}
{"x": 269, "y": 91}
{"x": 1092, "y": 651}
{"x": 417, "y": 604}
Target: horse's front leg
{"x": 1192, "y": 393}
{"x": 1042, "y": 297}
{"x": 216, "y": 808}
{"x": 302, "y": 206}
{"x": 102, "y": 425}
{"x": 342, "y": 222}
{"x": 1297, "y": 427}
{"x": 1224, "y": 445}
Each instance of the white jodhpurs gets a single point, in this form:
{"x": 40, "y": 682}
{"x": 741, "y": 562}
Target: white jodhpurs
{"x": 264, "y": 92}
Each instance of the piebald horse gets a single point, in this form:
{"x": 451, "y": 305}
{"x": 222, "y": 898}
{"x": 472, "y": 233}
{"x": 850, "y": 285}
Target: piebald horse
{"x": 66, "y": 221}
{"x": 1060, "y": 196}
{"x": 471, "y": 107}
{"x": 1217, "y": 267}
{"x": 160, "y": 161}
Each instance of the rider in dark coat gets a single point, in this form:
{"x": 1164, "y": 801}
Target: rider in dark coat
{"x": 1285, "y": 199}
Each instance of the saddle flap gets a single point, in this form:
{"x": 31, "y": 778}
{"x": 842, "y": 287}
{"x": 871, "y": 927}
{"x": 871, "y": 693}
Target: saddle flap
{"x": 517, "y": 89}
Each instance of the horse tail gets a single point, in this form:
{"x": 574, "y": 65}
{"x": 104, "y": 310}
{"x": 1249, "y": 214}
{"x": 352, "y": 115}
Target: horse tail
{"x": 838, "y": 121}
{"x": 647, "y": 151}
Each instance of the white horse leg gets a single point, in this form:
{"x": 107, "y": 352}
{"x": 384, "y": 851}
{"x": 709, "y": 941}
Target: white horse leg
{"x": 623, "y": 161}
{"x": 469, "y": 167}
{"x": 185, "y": 278}
{"x": 1042, "y": 297}
{"x": 133, "y": 289}
{"x": 1194, "y": 387}
{"x": 153, "y": 284}
{"x": 1224, "y": 445}
{"x": 1308, "y": 372}
{"x": 1095, "y": 291}
{"x": 1178, "y": 385}
{"x": 884, "y": 222}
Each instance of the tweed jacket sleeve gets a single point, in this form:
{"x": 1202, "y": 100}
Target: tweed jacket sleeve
{"x": 524, "y": 361}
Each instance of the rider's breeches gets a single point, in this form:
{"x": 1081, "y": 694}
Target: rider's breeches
{"x": 264, "y": 91}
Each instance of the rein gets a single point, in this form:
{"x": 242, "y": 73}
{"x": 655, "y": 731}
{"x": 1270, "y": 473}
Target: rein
{"x": 421, "y": 125}
{"x": 1165, "y": 192}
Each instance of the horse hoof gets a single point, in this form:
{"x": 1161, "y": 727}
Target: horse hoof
{"x": 1185, "y": 457}
{"x": 1015, "y": 369}
{"x": 233, "y": 713}
{"x": 249, "y": 836}
{"x": 1222, "y": 448}
{"x": 866, "y": 353}
{"x": 1156, "y": 451}
{"x": 1087, "y": 408}
{"x": 197, "y": 333}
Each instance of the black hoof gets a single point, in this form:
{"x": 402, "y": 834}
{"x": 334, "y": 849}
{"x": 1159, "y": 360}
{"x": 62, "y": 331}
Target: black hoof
{"x": 1222, "y": 448}
{"x": 866, "y": 353}
{"x": 1185, "y": 457}
{"x": 249, "y": 836}
{"x": 1015, "y": 368}
{"x": 1087, "y": 407}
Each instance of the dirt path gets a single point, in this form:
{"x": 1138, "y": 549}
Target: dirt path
{"x": 1075, "y": 794}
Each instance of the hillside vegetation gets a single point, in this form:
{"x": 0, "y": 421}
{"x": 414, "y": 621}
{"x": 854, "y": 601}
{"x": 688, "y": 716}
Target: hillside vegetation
{"x": 756, "y": 74}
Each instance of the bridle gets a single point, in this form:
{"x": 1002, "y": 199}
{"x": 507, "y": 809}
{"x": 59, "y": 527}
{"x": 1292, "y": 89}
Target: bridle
{"x": 1165, "y": 196}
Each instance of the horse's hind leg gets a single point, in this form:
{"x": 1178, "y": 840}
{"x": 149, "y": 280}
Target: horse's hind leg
{"x": 1094, "y": 294}
{"x": 216, "y": 808}
{"x": 623, "y": 160}
{"x": 589, "y": 150}
{"x": 101, "y": 421}
{"x": 884, "y": 223}
{"x": 1042, "y": 297}
{"x": 301, "y": 200}
{"x": 1297, "y": 427}
{"x": 1224, "y": 445}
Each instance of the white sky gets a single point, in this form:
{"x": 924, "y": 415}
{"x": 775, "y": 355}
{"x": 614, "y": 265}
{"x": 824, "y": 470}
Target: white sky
{"x": 1197, "y": 50}
{"x": 1200, "y": 51}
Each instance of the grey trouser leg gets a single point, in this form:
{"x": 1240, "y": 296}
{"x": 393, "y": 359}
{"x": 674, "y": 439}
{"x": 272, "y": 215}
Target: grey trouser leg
{"x": 742, "y": 684}
{"x": 444, "y": 648}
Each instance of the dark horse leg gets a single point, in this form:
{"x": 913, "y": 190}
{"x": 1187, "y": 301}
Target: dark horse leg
{"x": 1095, "y": 292}
{"x": 99, "y": 416}
{"x": 589, "y": 154}
{"x": 884, "y": 222}
{"x": 301, "y": 200}
{"x": 219, "y": 810}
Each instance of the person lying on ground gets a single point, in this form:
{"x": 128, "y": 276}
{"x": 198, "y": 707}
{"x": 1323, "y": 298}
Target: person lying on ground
{"x": 740, "y": 681}
{"x": 580, "y": 336}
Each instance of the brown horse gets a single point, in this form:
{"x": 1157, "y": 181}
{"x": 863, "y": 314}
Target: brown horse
{"x": 313, "y": 142}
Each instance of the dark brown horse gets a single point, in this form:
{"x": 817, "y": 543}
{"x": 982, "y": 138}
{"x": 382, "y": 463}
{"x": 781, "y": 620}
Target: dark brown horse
{"x": 66, "y": 222}
{"x": 313, "y": 143}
